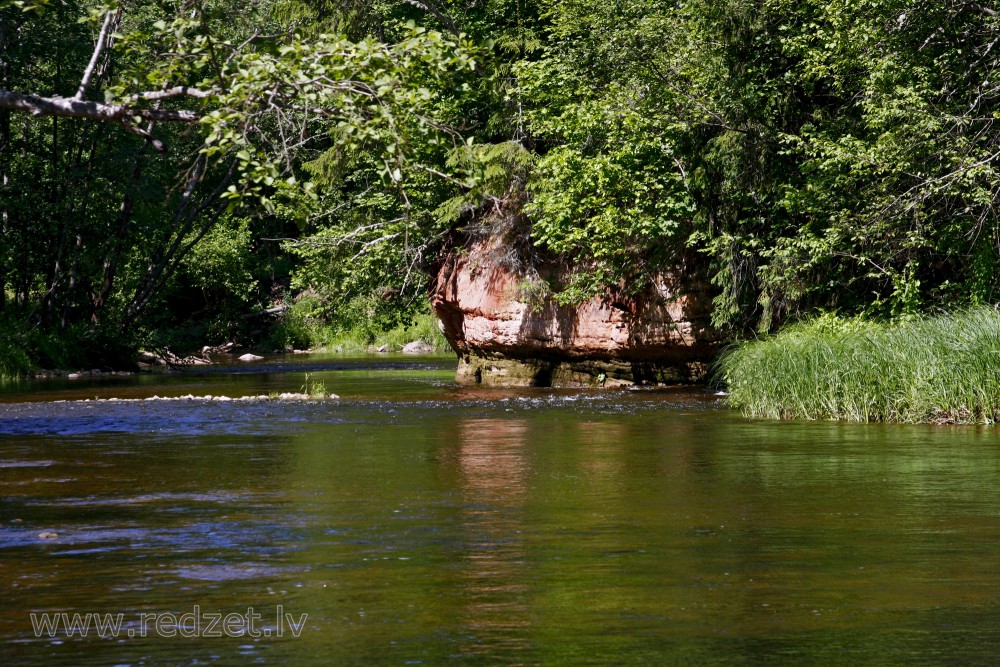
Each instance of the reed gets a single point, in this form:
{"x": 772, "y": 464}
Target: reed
{"x": 942, "y": 369}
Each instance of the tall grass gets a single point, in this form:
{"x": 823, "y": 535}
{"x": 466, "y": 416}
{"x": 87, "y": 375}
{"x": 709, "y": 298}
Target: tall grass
{"x": 943, "y": 369}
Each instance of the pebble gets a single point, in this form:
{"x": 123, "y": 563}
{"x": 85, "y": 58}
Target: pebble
{"x": 285, "y": 396}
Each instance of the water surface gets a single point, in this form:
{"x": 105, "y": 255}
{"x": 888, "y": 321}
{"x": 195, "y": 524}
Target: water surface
{"x": 417, "y": 522}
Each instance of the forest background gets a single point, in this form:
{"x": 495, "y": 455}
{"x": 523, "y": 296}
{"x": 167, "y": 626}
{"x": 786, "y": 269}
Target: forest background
{"x": 281, "y": 173}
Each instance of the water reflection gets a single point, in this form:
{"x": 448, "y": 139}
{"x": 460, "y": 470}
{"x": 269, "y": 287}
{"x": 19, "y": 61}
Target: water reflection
{"x": 494, "y": 484}
{"x": 492, "y": 460}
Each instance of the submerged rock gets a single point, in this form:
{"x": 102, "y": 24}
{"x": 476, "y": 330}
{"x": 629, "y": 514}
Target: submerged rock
{"x": 250, "y": 357}
{"x": 506, "y": 333}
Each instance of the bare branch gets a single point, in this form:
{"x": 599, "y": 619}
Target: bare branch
{"x": 170, "y": 93}
{"x": 102, "y": 39}
{"x": 145, "y": 134}
{"x": 69, "y": 107}
{"x": 429, "y": 170}
{"x": 981, "y": 9}
{"x": 374, "y": 242}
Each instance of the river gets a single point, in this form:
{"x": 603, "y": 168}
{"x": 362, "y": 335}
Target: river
{"x": 413, "y": 522}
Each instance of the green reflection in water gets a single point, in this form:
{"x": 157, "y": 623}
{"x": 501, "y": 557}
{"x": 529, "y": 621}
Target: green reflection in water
{"x": 614, "y": 529}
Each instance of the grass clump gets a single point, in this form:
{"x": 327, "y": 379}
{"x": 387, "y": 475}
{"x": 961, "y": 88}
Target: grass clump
{"x": 314, "y": 388}
{"x": 942, "y": 369}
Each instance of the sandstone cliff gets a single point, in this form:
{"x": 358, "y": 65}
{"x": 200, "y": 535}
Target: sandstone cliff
{"x": 505, "y": 337}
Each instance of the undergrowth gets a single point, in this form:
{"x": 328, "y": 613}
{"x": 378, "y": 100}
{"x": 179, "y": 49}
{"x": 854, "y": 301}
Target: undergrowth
{"x": 297, "y": 330}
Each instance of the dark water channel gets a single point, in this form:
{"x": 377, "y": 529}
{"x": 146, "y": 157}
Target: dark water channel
{"x": 416, "y": 522}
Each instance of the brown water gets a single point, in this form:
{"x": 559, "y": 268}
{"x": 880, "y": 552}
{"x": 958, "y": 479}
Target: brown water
{"x": 415, "y": 522}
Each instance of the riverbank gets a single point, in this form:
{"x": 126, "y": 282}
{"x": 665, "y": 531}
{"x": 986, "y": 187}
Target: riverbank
{"x": 943, "y": 369}
{"x": 74, "y": 355}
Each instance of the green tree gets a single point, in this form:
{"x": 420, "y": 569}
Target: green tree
{"x": 239, "y": 97}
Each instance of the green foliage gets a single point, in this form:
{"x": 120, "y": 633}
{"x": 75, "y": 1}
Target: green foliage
{"x": 37, "y": 6}
{"x": 899, "y": 176}
{"x": 937, "y": 369}
{"x": 339, "y": 334}
{"x": 221, "y": 263}
{"x": 23, "y": 351}
{"x": 99, "y": 234}
{"x": 803, "y": 154}
{"x": 299, "y": 327}
{"x": 255, "y": 93}
{"x": 496, "y": 176}
{"x": 606, "y": 196}
{"x": 423, "y": 327}
{"x": 14, "y": 360}
{"x": 816, "y": 156}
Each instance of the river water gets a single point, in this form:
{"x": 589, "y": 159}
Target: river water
{"x": 417, "y": 522}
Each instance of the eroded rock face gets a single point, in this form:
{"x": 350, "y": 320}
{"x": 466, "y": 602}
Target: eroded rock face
{"x": 503, "y": 337}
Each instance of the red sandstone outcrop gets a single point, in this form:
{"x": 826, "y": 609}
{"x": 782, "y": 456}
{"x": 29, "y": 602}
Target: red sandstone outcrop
{"x": 504, "y": 337}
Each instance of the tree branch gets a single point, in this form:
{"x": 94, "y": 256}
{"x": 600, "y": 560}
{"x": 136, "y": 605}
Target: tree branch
{"x": 429, "y": 170}
{"x": 170, "y": 93}
{"x": 69, "y": 107}
{"x": 145, "y": 134}
{"x": 982, "y": 10}
{"x": 98, "y": 48}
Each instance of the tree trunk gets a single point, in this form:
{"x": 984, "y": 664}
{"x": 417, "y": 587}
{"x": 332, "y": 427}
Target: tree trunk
{"x": 112, "y": 260}
{"x": 5, "y": 150}
{"x": 169, "y": 256}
